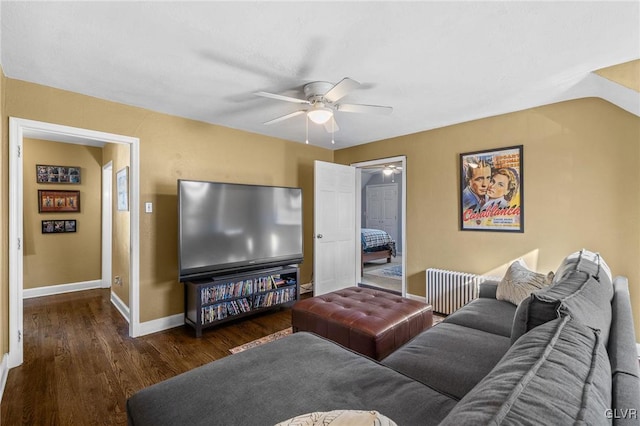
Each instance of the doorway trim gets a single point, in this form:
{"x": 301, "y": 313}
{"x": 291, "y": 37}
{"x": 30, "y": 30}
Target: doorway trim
{"x": 107, "y": 223}
{"x": 403, "y": 231}
{"x": 19, "y": 129}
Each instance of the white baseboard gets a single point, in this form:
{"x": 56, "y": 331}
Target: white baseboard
{"x": 120, "y": 306}
{"x": 161, "y": 324}
{"x": 4, "y": 371}
{"x": 29, "y": 293}
{"x": 148, "y": 327}
{"x": 422, "y": 299}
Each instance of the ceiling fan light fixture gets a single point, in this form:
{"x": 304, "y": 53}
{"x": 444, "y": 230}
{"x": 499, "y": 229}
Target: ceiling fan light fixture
{"x": 320, "y": 115}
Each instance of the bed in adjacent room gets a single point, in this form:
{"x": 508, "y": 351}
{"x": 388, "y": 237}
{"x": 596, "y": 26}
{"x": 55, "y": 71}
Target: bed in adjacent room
{"x": 376, "y": 244}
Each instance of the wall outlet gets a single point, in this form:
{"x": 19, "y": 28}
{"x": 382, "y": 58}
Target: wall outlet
{"x": 117, "y": 280}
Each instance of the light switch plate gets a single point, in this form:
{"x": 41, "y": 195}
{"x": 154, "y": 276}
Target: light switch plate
{"x": 148, "y": 207}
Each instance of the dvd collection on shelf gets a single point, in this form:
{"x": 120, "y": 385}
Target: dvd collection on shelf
{"x": 268, "y": 291}
{"x": 226, "y": 291}
{"x": 220, "y": 311}
{"x": 274, "y": 297}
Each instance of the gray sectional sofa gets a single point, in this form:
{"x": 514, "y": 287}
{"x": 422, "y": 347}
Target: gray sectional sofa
{"x": 566, "y": 354}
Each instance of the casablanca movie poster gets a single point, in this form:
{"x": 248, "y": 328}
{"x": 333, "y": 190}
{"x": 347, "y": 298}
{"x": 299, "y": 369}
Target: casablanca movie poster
{"x": 491, "y": 190}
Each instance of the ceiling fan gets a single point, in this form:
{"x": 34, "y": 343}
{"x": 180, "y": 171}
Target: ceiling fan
{"x": 391, "y": 169}
{"x": 321, "y": 101}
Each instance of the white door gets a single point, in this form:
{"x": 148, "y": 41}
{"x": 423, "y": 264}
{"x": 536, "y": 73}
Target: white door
{"x": 382, "y": 208}
{"x": 334, "y": 263}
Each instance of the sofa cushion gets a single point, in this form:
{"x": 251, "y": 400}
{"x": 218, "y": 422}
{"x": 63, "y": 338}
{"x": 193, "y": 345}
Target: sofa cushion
{"x": 623, "y": 355}
{"x": 490, "y": 315}
{"x": 584, "y": 261}
{"x": 622, "y": 345}
{"x": 556, "y": 374}
{"x": 519, "y": 282}
{"x": 440, "y": 357}
{"x": 297, "y": 374}
{"x": 488, "y": 288}
{"x": 578, "y": 294}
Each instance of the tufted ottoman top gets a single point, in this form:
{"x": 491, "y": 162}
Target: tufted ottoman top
{"x": 372, "y": 322}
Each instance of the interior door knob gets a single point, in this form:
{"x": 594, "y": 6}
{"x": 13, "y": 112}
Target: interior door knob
{"x": 319, "y": 236}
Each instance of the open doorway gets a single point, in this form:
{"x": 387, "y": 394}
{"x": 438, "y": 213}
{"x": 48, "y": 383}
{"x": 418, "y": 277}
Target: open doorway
{"x": 381, "y": 221}
{"x": 18, "y": 130}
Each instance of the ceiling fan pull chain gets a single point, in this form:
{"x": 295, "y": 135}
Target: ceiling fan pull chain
{"x": 333, "y": 130}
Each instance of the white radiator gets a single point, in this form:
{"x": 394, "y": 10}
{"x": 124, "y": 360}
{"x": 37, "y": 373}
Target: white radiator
{"x": 448, "y": 291}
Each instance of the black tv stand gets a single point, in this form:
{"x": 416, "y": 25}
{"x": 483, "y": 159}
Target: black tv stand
{"x": 216, "y": 300}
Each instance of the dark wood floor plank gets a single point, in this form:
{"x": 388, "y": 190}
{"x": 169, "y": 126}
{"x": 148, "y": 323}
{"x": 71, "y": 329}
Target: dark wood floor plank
{"x": 80, "y": 365}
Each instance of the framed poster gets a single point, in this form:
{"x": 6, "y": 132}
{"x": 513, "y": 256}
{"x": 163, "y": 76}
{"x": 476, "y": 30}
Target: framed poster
{"x": 122, "y": 186}
{"x": 57, "y": 174}
{"x": 58, "y": 201}
{"x": 491, "y": 190}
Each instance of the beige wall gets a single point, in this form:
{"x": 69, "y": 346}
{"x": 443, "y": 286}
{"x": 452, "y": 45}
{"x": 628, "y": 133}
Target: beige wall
{"x": 51, "y": 259}
{"x": 582, "y": 183}
{"x": 581, "y": 190}
{"x": 176, "y": 148}
{"x": 119, "y": 155}
{"x": 627, "y": 74}
{"x": 171, "y": 148}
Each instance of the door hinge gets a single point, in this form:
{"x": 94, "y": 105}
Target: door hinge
{"x": 19, "y": 336}
{"x": 19, "y": 151}
{"x": 19, "y": 244}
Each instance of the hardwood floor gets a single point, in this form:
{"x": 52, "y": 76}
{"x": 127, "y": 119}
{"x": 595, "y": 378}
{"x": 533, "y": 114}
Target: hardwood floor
{"x": 80, "y": 366}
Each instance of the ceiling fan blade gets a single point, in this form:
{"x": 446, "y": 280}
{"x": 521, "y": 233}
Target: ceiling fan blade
{"x": 368, "y": 109}
{"x": 284, "y": 117}
{"x": 331, "y": 126}
{"x": 281, "y": 97}
{"x": 341, "y": 89}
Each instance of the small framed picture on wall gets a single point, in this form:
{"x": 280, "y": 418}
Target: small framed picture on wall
{"x": 122, "y": 187}
{"x": 57, "y": 174}
{"x": 58, "y": 201}
{"x": 58, "y": 226}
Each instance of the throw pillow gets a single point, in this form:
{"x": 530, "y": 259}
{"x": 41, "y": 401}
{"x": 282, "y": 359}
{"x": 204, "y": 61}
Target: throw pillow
{"x": 578, "y": 295}
{"x": 339, "y": 418}
{"x": 519, "y": 282}
{"x": 585, "y": 261}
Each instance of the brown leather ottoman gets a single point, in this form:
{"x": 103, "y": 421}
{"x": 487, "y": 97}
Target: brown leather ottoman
{"x": 374, "y": 323}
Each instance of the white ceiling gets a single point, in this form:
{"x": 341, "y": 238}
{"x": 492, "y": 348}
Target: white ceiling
{"x": 435, "y": 63}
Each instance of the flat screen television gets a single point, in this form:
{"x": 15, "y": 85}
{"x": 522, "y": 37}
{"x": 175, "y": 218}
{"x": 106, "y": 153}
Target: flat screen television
{"x": 225, "y": 228}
